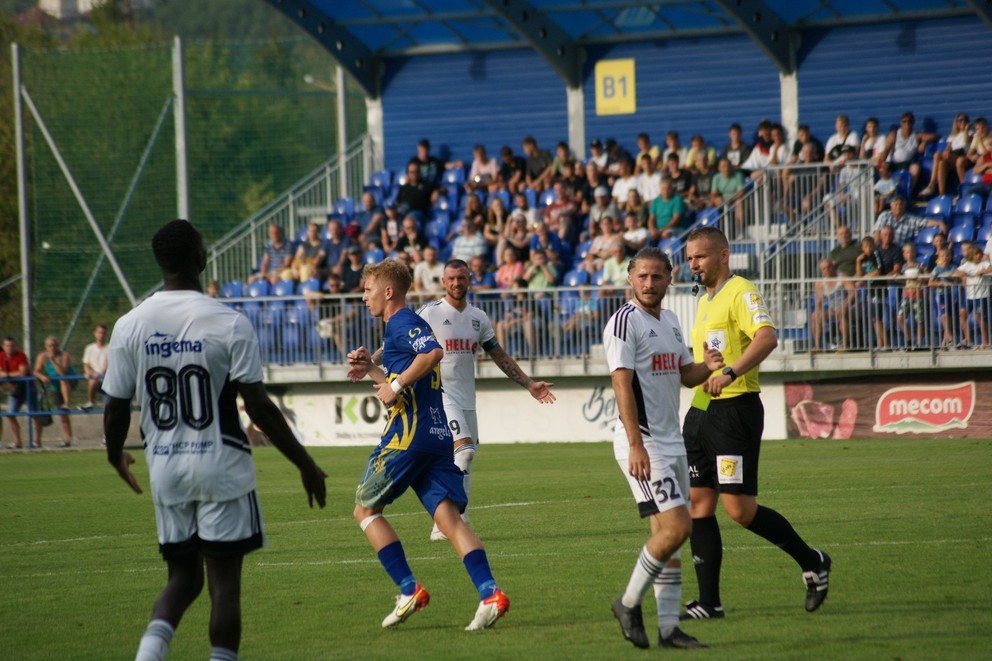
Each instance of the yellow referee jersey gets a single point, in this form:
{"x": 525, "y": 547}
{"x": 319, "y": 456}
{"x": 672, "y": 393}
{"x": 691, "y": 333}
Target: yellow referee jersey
{"x": 727, "y": 321}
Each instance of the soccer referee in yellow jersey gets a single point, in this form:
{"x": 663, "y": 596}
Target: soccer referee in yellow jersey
{"x": 723, "y": 427}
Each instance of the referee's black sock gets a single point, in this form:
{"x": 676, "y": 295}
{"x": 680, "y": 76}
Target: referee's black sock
{"x": 776, "y": 529}
{"x": 707, "y": 556}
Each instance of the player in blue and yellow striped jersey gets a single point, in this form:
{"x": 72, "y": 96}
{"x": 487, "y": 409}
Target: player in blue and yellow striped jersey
{"x": 415, "y": 450}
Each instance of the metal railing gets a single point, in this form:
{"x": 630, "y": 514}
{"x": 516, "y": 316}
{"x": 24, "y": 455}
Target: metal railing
{"x": 236, "y": 254}
{"x": 37, "y": 403}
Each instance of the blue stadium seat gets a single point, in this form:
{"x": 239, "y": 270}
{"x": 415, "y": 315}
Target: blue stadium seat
{"x": 231, "y": 289}
{"x": 970, "y": 205}
{"x": 373, "y": 256}
{"x": 436, "y": 231}
{"x": 309, "y": 285}
{"x": 903, "y": 181}
{"x": 970, "y": 181}
{"x": 443, "y": 203}
{"x": 548, "y": 198}
{"x": 345, "y": 207}
{"x": 258, "y": 289}
{"x": 959, "y": 233}
{"x": 504, "y": 196}
{"x": 378, "y": 193}
{"x": 531, "y": 196}
{"x": 669, "y": 246}
{"x": 925, "y": 235}
{"x": 924, "y": 251}
{"x": 575, "y": 278}
{"x": 581, "y": 250}
{"x": 382, "y": 179}
{"x": 301, "y": 233}
{"x": 708, "y": 217}
{"x": 939, "y": 207}
{"x": 453, "y": 177}
{"x": 598, "y": 278}
{"x": 982, "y": 235}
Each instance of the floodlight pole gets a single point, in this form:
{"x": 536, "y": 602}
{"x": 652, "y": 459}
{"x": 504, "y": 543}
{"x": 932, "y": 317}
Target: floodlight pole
{"x": 179, "y": 110}
{"x": 22, "y": 205}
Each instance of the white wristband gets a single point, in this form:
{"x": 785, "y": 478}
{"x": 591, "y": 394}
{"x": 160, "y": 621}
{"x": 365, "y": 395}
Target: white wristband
{"x": 396, "y": 385}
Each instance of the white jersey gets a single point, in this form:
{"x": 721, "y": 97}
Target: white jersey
{"x": 181, "y": 353}
{"x": 655, "y": 350}
{"x": 460, "y": 334}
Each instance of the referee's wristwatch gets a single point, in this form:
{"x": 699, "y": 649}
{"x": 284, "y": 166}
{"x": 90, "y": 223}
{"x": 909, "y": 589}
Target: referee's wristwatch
{"x": 729, "y": 371}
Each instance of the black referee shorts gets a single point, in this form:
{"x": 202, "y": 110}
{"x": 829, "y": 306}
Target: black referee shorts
{"x": 723, "y": 443}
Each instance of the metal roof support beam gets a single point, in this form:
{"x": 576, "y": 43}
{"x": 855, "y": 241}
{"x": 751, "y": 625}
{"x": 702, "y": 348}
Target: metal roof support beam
{"x": 772, "y": 34}
{"x": 348, "y": 51}
{"x": 983, "y": 8}
{"x": 543, "y": 35}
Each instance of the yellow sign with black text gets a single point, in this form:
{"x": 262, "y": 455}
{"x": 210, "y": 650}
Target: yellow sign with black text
{"x": 615, "y": 89}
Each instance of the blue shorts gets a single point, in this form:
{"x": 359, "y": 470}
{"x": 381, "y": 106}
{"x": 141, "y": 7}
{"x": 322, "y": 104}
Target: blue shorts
{"x": 15, "y": 403}
{"x": 390, "y": 472}
{"x": 981, "y": 305}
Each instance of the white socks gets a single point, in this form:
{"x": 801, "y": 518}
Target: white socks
{"x": 646, "y": 569}
{"x": 155, "y": 642}
{"x": 668, "y": 596}
{"x": 464, "y": 454}
{"x": 222, "y": 654}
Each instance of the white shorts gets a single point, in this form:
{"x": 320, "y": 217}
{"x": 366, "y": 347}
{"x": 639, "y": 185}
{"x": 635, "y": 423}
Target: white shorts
{"x": 463, "y": 423}
{"x": 232, "y": 527}
{"x": 667, "y": 489}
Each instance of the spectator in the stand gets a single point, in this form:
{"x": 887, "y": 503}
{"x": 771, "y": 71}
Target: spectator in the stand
{"x": 538, "y": 172}
{"x": 561, "y": 166}
{"x": 213, "y": 289}
{"x": 806, "y": 140}
{"x": 510, "y": 271}
{"x": 845, "y": 193}
{"x": 975, "y": 157}
{"x": 884, "y": 188}
{"x": 763, "y": 135}
{"x": 939, "y": 241}
{"x": 597, "y": 155}
{"x": 497, "y": 216}
{"x": 545, "y": 240}
{"x": 889, "y": 252}
{"x": 702, "y": 183}
{"x": 474, "y": 208}
{"x": 351, "y": 271}
{"x": 582, "y": 324}
{"x": 727, "y": 185}
{"x": 615, "y": 154}
{"x": 946, "y": 161}
{"x": 844, "y": 255}
{"x": 603, "y": 246}
{"x": 697, "y": 147}
{"x": 517, "y": 315}
{"x": 736, "y": 151}
{"x": 521, "y": 204}
{"x": 635, "y": 205}
{"x": 416, "y": 195}
{"x": 971, "y": 270}
{"x": 912, "y": 303}
{"x": 595, "y": 178}
{"x": 431, "y": 168}
{"x": 540, "y": 273}
{"x": 615, "y": 269}
{"x": 868, "y": 268}
{"x": 603, "y": 206}
{"x": 469, "y": 243}
{"x": 843, "y": 145}
{"x": 412, "y": 241}
{"x": 666, "y": 212}
{"x": 678, "y": 177}
{"x": 512, "y": 170}
{"x": 95, "y": 365}
{"x": 673, "y": 146}
{"x": 483, "y": 174}
{"x": 625, "y": 181}
{"x": 904, "y": 146}
{"x": 369, "y": 217}
{"x": 427, "y": 274}
{"x": 905, "y": 226}
{"x": 480, "y": 278}
{"x": 833, "y": 296}
{"x": 13, "y": 365}
{"x": 391, "y": 229}
{"x": 561, "y": 216}
{"x": 646, "y": 149}
{"x": 635, "y": 235}
{"x": 872, "y": 143}
{"x": 310, "y": 260}
{"x": 335, "y": 248}
{"x": 50, "y": 366}
{"x": 943, "y": 283}
{"x": 516, "y": 238}
{"x": 649, "y": 179}
{"x": 576, "y": 184}
{"x": 277, "y": 256}
{"x": 338, "y": 315}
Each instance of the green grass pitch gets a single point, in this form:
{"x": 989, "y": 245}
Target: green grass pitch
{"x": 905, "y": 520}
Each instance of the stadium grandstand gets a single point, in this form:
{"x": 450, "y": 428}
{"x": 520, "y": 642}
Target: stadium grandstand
{"x": 573, "y": 133}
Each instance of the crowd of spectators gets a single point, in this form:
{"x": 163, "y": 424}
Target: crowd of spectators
{"x": 536, "y": 218}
